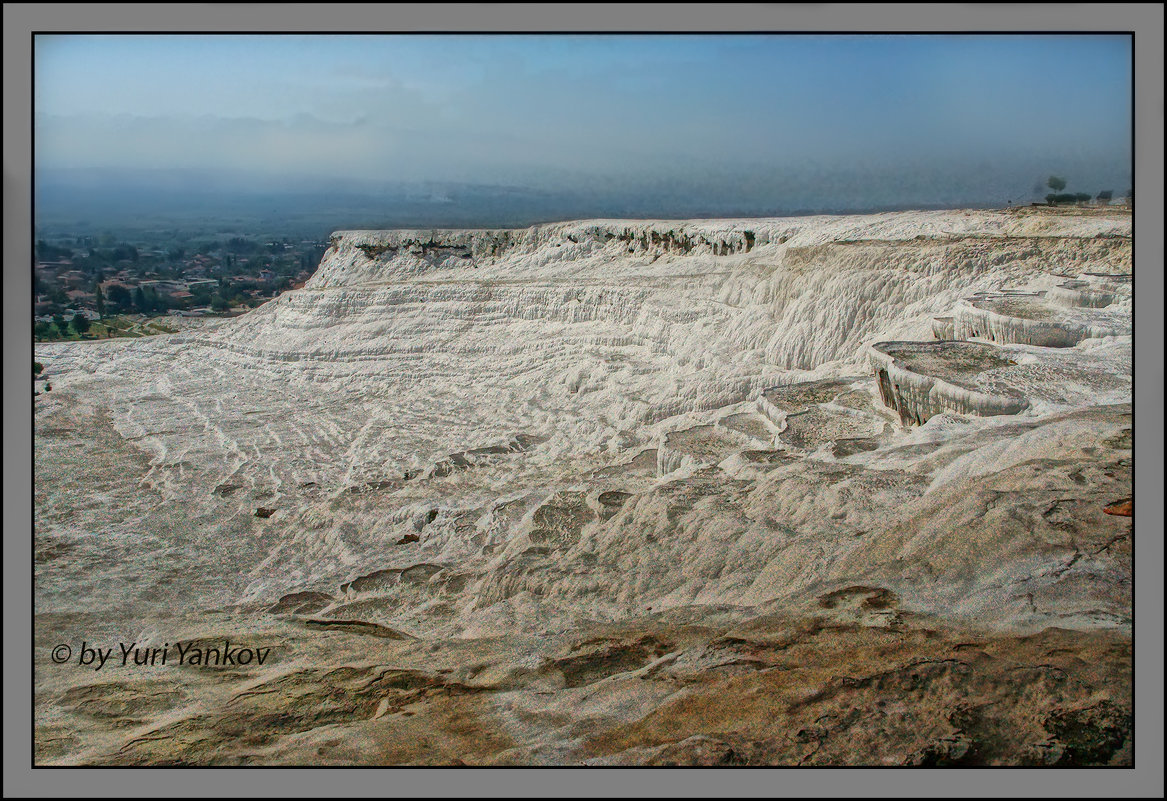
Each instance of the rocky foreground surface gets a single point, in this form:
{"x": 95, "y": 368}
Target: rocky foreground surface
{"x": 826, "y": 490}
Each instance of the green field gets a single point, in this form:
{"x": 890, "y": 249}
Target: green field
{"x": 107, "y": 328}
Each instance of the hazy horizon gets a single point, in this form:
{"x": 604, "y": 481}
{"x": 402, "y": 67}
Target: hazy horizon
{"x": 656, "y": 125}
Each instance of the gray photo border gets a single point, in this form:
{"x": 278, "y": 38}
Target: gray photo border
{"x": 1146, "y": 780}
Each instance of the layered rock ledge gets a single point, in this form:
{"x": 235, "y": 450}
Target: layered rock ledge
{"x": 922, "y": 379}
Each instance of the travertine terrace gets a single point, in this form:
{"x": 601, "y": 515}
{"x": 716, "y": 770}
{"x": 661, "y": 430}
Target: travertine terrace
{"x": 612, "y": 492}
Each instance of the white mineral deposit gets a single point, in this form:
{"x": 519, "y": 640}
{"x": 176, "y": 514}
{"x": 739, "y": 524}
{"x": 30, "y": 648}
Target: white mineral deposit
{"x": 817, "y": 490}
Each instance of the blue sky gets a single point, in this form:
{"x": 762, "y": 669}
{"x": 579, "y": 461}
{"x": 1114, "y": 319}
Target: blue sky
{"x": 583, "y": 110}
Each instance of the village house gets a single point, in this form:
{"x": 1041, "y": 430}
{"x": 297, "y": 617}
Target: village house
{"x": 162, "y": 286}
{"x": 75, "y": 279}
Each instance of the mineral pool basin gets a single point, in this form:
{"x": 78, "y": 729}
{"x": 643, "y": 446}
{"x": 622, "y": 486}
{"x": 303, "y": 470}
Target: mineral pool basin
{"x": 1115, "y": 278}
{"x": 958, "y": 363}
{"x": 750, "y": 425}
{"x": 702, "y": 443}
{"x": 801, "y": 396}
{"x": 813, "y": 427}
{"x": 1022, "y": 308}
{"x": 1082, "y": 293}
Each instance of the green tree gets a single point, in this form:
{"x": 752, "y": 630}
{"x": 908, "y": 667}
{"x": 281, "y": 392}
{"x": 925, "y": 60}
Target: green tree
{"x": 80, "y": 323}
{"x": 99, "y": 299}
{"x": 124, "y": 252}
{"x": 43, "y": 330}
{"x": 61, "y": 324}
{"x": 47, "y": 252}
{"x": 120, "y": 297}
{"x": 154, "y": 302}
{"x": 1055, "y": 183}
{"x": 219, "y": 303}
